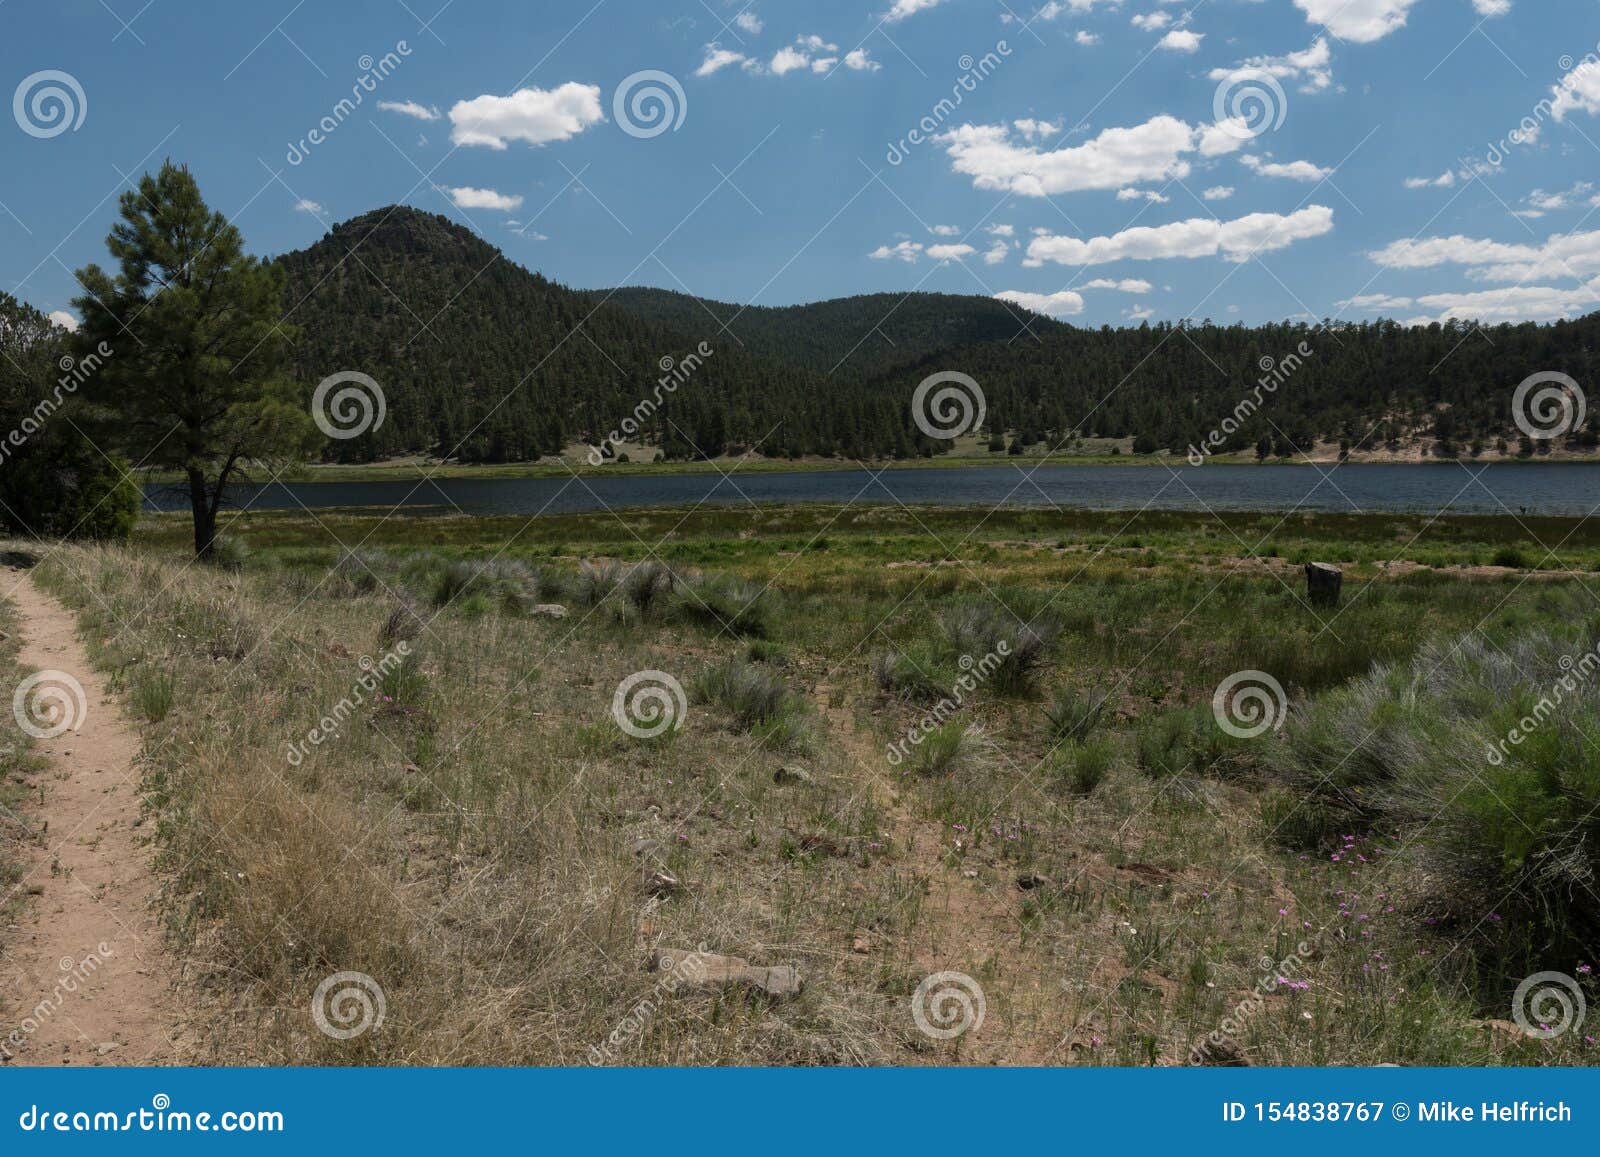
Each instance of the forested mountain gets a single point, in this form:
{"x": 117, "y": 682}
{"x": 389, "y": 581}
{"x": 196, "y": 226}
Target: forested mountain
{"x": 856, "y": 337}
{"x": 1371, "y": 385}
{"x": 483, "y": 360}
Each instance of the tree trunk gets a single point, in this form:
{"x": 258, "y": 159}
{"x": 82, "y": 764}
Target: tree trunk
{"x": 205, "y": 516}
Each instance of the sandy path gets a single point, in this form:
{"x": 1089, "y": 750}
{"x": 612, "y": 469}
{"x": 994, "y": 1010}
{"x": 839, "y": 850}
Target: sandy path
{"x": 86, "y": 979}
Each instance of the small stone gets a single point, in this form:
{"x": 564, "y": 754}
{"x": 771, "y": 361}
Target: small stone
{"x": 706, "y": 970}
{"x": 792, "y": 774}
{"x": 646, "y": 847}
{"x": 106, "y": 1046}
{"x": 861, "y": 945}
{"x": 548, "y": 611}
{"x": 661, "y": 883}
{"x": 1028, "y": 881}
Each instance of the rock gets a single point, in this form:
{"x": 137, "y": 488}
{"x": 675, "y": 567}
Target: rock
{"x": 792, "y": 774}
{"x": 106, "y": 1046}
{"x": 661, "y": 883}
{"x": 861, "y": 945}
{"x": 548, "y": 611}
{"x": 18, "y": 558}
{"x": 646, "y": 847}
{"x": 1028, "y": 881}
{"x": 706, "y": 971}
{"x": 1323, "y": 583}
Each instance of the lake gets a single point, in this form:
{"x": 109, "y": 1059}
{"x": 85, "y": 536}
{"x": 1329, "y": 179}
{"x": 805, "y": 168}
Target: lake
{"x": 1516, "y": 488}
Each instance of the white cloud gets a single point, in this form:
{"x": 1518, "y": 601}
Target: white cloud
{"x": 1124, "y": 285}
{"x": 1444, "y": 180}
{"x": 907, "y": 251}
{"x": 1064, "y": 303}
{"x": 1218, "y": 193}
{"x": 1033, "y": 129}
{"x": 1312, "y": 67}
{"x": 1375, "y": 301}
{"x": 410, "y": 108}
{"x": 1491, "y": 7}
{"x": 1056, "y": 7}
{"x": 1154, "y": 22}
{"x": 1139, "y": 313}
{"x": 1521, "y": 303}
{"x": 1578, "y": 91}
{"x": 1234, "y": 240}
{"x": 996, "y": 253}
{"x": 1181, "y": 40}
{"x": 1002, "y": 230}
{"x": 1085, "y": 38}
{"x": 718, "y": 58}
{"x": 1292, "y": 171}
{"x": 1149, "y": 195}
{"x": 1361, "y": 21}
{"x": 904, "y": 8}
{"x": 788, "y": 59}
{"x": 950, "y": 252}
{"x": 1572, "y": 255}
{"x": 529, "y": 114}
{"x": 945, "y": 230}
{"x": 307, "y": 205}
{"x": 1117, "y": 157}
{"x": 749, "y": 21}
{"x": 64, "y": 319}
{"x": 857, "y": 60}
{"x": 467, "y": 197}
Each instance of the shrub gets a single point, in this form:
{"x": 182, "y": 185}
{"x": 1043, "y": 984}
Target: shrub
{"x": 647, "y": 586}
{"x": 899, "y": 675}
{"x": 153, "y": 690}
{"x": 1479, "y": 755}
{"x": 750, "y": 694}
{"x": 1082, "y": 767}
{"x": 726, "y": 603}
{"x": 597, "y": 581}
{"x": 1512, "y": 556}
{"x": 1074, "y": 715}
{"x": 1021, "y": 648}
{"x": 951, "y": 748}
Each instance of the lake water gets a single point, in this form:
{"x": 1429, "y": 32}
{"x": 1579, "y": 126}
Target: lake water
{"x": 1517, "y": 488}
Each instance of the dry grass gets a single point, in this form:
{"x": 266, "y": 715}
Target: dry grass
{"x": 480, "y": 843}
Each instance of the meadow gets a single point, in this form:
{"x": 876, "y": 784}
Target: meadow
{"x": 910, "y": 742}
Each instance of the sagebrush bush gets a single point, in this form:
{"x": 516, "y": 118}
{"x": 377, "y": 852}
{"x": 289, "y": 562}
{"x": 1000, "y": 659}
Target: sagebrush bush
{"x": 725, "y": 603}
{"x": 1480, "y": 756}
{"x": 1075, "y": 714}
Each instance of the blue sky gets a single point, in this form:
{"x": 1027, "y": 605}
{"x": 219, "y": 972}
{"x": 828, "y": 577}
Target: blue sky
{"x": 1096, "y": 166}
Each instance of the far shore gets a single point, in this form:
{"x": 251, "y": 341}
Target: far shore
{"x": 419, "y": 467}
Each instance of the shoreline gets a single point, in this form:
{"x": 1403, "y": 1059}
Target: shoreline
{"x": 419, "y": 470}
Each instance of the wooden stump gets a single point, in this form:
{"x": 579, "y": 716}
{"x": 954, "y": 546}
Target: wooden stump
{"x": 1323, "y": 583}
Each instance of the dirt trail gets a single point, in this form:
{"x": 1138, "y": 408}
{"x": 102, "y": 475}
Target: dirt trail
{"x": 86, "y": 980}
